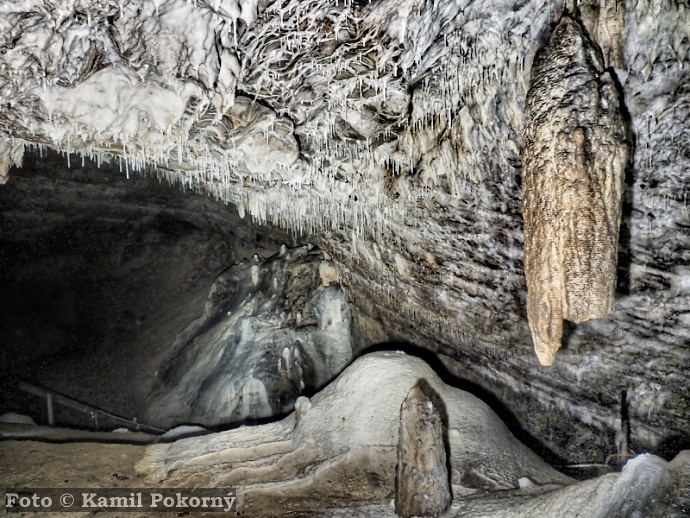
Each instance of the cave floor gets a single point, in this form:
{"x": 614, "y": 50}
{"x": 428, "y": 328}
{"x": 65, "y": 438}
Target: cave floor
{"x": 34, "y": 464}
{"x": 93, "y": 465}
{"x": 88, "y": 464}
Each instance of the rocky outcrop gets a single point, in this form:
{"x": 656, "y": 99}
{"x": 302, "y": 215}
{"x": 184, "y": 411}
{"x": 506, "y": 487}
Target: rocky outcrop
{"x": 671, "y": 496}
{"x": 343, "y": 451}
{"x": 575, "y": 155}
{"x": 421, "y": 476}
{"x": 271, "y": 331}
{"x": 620, "y": 494}
{"x": 344, "y": 446}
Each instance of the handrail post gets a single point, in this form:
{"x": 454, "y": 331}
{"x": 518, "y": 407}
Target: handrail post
{"x": 49, "y": 403}
{"x": 81, "y": 407}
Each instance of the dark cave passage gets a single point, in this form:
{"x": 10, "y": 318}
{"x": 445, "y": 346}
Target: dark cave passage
{"x": 98, "y": 275}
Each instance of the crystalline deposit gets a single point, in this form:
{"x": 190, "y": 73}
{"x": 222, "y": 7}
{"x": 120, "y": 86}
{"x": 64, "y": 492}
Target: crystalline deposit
{"x": 342, "y": 448}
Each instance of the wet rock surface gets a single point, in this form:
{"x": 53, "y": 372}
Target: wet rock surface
{"x": 272, "y": 330}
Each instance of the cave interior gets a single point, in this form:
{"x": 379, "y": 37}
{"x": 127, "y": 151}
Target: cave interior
{"x": 237, "y": 235}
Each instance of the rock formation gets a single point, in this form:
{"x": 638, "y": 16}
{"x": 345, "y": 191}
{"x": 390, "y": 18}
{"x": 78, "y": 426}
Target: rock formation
{"x": 343, "y": 451}
{"x": 11, "y": 154}
{"x": 604, "y": 21}
{"x": 344, "y": 446}
{"x": 671, "y": 497}
{"x": 270, "y": 331}
{"x": 390, "y": 135}
{"x": 575, "y": 155}
{"x": 421, "y": 476}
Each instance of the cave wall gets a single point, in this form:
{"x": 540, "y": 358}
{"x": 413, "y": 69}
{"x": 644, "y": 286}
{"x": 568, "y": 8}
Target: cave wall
{"x": 271, "y": 331}
{"x": 391, "y": 133}
{"x": 100, "y": 278}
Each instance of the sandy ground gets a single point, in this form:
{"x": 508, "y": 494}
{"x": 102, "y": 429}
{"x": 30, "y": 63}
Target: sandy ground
{"x": 30, "y": 464}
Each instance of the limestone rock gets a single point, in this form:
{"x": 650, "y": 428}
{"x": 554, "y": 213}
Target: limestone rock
{"x": 605, "y": 23}
{"x": 14, "y": 418}
{"x": 10, "y": 154}
{"x": 343, "y": 448}
{"x": 342, "y": 453}
{"x": 256, "y": 354}
{"x": 671, "y": 496}
{"x": 422, "y": 484}
{"x": 302, "y": 406}
{"x": 575, "y": 155}
{"x": 329, "y": 273}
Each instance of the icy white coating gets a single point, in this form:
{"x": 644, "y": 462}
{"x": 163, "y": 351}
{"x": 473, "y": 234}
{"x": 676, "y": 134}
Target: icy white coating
{"x": 261, "y": 102}
{"x": 343, "y": 425}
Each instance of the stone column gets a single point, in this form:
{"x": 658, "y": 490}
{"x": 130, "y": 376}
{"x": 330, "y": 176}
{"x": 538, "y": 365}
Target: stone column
{"x": 422, "y": 484}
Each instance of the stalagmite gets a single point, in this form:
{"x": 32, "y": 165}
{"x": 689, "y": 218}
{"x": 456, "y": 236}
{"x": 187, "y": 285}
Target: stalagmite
{"x": 422, "y": 487}
{"x": 574, "y": 158}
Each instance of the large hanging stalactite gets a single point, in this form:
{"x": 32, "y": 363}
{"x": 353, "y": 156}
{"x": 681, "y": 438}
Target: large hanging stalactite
{"x": 574, "y": 158}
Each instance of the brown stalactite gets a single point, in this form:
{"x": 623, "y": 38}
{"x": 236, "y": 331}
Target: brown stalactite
{"x": 604, "y": 20}
{"x": 574, "y": 159}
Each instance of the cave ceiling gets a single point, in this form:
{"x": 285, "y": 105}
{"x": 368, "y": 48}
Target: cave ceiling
{"x": 391, "y": 131}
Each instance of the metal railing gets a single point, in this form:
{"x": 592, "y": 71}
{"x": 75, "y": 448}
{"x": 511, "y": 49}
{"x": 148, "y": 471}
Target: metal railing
{"x": 53, "y": 397}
